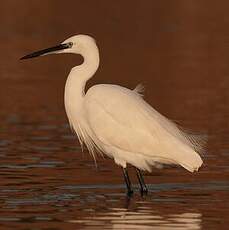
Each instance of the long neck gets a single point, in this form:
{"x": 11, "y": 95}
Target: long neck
{"x": 75, "y": 84}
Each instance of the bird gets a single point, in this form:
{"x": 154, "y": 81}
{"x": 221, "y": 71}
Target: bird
{"x": 115, "y": 121}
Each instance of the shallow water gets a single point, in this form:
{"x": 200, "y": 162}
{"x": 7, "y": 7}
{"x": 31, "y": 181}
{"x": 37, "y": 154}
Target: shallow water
{"x": 48, "y": 183}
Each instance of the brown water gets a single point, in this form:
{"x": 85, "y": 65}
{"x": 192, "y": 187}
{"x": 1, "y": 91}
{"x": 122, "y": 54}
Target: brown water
{"x": 179, "y": 51}
{"x": 47, "y": 183}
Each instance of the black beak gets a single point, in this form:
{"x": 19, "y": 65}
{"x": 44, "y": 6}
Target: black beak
{"x": 48, "y": 50}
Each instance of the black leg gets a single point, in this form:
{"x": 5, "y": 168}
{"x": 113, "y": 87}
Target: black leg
{"x": 128, "y": 183}
{"x": 144, "y": 189}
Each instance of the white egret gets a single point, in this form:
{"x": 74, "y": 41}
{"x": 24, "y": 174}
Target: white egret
{"x": 117, "y": 122}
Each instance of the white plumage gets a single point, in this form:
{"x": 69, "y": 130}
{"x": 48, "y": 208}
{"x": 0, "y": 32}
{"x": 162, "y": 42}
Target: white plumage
{"x": 117, "y": 121}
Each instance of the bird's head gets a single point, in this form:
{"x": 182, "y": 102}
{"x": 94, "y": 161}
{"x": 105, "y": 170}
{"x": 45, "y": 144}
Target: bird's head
{"x": 77, "y": 44}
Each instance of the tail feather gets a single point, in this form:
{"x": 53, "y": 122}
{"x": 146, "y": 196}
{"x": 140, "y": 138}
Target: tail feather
{"x": 193, "y": 163}
{"x": 188, "y": 158}
{"x": 196, "y": 141}
{"x": 191, "y": 150}
{"x": 188, "y": 147}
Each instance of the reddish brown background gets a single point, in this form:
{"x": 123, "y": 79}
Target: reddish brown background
{"x": 170, "y": 46}
{"x": 178, "y": 49}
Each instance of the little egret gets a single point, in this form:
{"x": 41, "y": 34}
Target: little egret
{"x": 117, "y": 122}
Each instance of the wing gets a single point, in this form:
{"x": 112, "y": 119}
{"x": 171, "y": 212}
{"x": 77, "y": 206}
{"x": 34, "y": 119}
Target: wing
{"x": 121, "y": 118}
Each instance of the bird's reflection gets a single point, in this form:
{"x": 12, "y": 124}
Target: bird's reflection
{"x": 142, "y": 218}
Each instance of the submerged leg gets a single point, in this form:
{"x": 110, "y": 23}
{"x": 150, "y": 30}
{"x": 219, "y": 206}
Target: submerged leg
{"x": 144, "y": 189}
{"x": 128, "y": 183}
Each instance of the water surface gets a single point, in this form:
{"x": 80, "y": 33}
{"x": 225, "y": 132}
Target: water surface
{"x": 48, "y": 183}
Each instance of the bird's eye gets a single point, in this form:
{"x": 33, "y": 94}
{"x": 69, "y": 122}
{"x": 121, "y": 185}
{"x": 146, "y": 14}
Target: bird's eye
{"x": 70, "y": 44}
